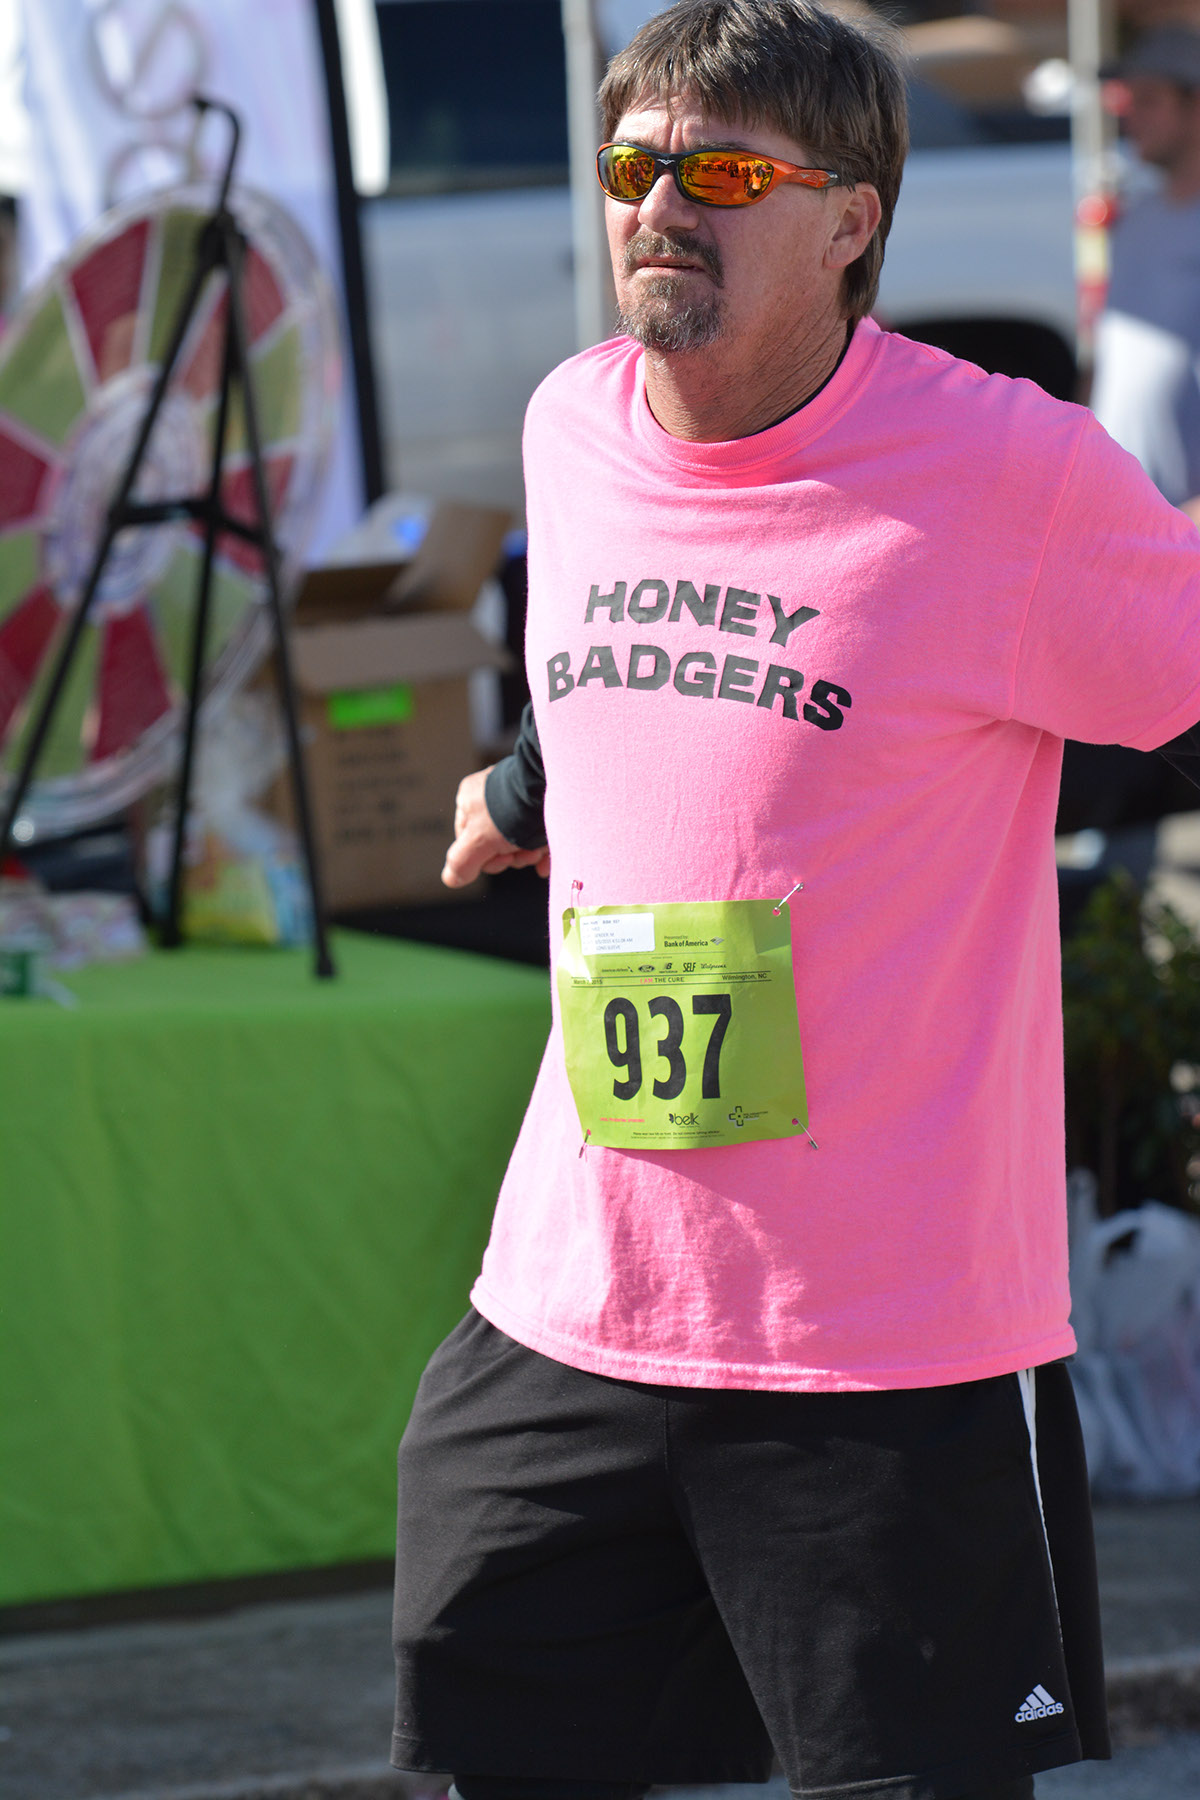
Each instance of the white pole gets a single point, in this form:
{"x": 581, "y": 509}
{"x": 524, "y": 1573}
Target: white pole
{"x": 1091, "y": 35}
{"x": 366, "y": 95}
{"x": 1091, "y": 32}
{"x": 594, "y": 299}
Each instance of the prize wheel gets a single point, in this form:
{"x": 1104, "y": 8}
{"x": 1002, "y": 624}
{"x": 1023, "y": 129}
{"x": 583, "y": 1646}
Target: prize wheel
{"x": 77, "y": 365}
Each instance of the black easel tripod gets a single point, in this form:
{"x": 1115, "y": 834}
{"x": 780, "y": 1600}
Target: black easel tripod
{"x": 219, "y": 246}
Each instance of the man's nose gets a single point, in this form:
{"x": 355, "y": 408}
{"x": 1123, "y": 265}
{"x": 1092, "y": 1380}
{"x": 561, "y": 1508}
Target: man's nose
{"x": 665, "y": 206}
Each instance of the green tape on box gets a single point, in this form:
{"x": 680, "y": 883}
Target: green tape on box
{"x": 356, "y": 707}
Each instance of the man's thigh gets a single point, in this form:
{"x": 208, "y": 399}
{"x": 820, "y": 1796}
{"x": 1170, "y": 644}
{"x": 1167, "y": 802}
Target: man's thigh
{"x": 882, "y": 1564}
{"x": 551, "y": 1617}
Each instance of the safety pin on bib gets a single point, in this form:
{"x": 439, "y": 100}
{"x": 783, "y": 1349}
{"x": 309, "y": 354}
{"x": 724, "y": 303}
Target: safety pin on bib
{"x": 798, "y": 889}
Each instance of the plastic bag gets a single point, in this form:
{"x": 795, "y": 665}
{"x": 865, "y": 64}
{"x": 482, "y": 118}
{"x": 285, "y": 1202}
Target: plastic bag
{"x": 244, "y": 882}
{"x": 1135, "y": 1293}
{"x": 41, "y": 931}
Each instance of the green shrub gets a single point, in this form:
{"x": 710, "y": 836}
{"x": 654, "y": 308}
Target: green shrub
{"x": 1131, "y": 1005}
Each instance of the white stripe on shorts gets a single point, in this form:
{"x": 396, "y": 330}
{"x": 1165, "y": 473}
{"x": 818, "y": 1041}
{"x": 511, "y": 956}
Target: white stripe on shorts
{"x": 1026, "y": 1381}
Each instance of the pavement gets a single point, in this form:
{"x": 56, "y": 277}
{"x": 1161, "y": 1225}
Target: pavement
{"x": 292, "y": 1700}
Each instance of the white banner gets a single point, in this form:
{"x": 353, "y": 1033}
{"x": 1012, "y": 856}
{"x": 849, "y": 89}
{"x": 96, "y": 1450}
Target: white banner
{"x": 107, "y": 87}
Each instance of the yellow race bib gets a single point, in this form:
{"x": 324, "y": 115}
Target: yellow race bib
{"x": 679, "y": 1022}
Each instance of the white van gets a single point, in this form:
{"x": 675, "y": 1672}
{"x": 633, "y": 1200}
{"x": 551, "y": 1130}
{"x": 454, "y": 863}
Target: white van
{"x": 469, "y": 253}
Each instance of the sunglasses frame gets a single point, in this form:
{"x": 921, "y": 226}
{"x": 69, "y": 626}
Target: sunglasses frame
{"x": 669, "y": 161}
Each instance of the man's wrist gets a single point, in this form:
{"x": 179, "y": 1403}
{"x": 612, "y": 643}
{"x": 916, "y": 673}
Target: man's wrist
{"x": 511, "y": 808}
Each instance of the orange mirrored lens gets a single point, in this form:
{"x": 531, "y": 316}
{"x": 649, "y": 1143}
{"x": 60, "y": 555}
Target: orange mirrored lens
{"x": 725, "y": 177}
{"x": 626, "y": 172}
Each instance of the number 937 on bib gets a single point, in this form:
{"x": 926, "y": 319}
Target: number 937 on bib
{"x": 679, "y": 1023}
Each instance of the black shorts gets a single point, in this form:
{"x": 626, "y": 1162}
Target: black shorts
{"x": 622, "y": 1582}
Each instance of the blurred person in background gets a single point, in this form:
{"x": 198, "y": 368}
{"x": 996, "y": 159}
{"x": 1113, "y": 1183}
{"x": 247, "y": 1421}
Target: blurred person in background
{"x": 1146, "y": 391}
{"x": 1146, "y": 394}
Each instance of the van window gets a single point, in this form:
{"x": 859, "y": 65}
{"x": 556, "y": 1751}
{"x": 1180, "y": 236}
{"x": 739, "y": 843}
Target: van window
{"x": 476, "y": 93}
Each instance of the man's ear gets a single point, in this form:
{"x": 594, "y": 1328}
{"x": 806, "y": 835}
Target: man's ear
{"x": 859, "y": 220}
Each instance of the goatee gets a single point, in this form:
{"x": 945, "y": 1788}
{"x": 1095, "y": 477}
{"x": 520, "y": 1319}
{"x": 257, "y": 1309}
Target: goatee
{"x": 663, "y": 319}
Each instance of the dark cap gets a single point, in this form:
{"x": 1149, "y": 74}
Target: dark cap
{"x": 1172, "y": 52}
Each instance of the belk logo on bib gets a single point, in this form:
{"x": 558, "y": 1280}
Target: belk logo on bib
{"x": 679, "y": 1023}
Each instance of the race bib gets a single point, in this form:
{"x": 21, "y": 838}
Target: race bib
{"x": 679, "y": 1022}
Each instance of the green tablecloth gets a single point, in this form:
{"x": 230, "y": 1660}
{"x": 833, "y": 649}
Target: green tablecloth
{"x": 238, "y": 1207}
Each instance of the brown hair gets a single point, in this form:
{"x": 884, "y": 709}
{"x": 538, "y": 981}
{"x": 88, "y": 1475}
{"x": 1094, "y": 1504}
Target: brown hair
{"x": 833, "y": 85}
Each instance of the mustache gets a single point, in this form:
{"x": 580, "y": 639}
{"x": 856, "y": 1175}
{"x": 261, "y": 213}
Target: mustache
{"x": 679, "y": 243}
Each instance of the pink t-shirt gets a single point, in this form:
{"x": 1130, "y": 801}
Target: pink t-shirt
{"x": 954, "y": 573}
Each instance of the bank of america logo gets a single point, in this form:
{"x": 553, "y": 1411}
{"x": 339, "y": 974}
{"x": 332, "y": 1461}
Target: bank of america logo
{"x": 1037, "y": 1705}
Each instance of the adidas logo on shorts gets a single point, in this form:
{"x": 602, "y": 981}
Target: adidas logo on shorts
{"x": 1038, "y": 1705}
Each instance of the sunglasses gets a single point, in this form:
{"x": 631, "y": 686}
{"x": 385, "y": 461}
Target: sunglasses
{"x": 710, "y": 177}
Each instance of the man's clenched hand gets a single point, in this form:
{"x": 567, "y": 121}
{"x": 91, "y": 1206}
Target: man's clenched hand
{"x": 478, "y": 848}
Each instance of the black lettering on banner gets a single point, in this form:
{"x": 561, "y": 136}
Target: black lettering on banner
{"x": 560, "y": 682}
{"x": 784, "y": 682}
{"x": 702, "y": 685}
{"x": 639, "y": 612}
{"x": 720, "y": 1006}
{"x": 614, "y": 602}
{"x": 740, "y": 611}
{"x": 599, "y": 665}
{"x": 627, "y": 1056}
{"x": 656, "y": 677}
{"x": 736, "y": 676}
{"x": 825, "y": 710}
{"x": 703, "y": 611}
{"x": 786, "y": 623}
{"x": 663, "y": 1007}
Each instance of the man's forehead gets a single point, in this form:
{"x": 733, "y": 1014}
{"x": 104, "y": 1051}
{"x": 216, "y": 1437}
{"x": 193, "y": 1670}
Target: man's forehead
{"x": 673, "y": 107}
{"x": 648, "y": 111}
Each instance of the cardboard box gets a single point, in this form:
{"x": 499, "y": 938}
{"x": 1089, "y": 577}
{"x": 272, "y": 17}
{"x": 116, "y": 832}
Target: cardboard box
{"x": 381, "y": 653}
